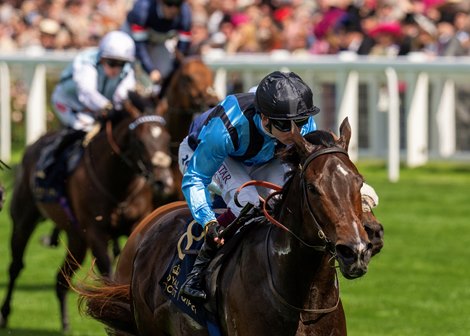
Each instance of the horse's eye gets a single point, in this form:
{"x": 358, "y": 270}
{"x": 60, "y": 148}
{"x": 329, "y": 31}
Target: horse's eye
{"x": 312, "y": 189}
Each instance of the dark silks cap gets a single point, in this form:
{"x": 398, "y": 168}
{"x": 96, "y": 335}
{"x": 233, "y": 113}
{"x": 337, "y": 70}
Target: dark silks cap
{"x": 284, "y": 96}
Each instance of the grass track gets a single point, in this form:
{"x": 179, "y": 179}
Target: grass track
{"x": 418, "y": 285}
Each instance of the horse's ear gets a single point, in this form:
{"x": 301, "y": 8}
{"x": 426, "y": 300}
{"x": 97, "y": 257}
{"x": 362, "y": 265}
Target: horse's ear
{"x": 302, "y": 145}
{"x": 345, "y": 134}
{"x": 131, "y": 109}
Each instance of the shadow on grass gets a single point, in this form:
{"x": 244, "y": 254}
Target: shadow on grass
{"x": 30, "y": 332}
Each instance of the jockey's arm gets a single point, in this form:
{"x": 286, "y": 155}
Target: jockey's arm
{"x": 128, "y": 83}
{"x": 86, "y": 78}
{"x": 214, "y": 147}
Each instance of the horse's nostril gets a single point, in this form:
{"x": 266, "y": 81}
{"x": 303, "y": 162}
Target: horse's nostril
{"x": 345, "y": 252}
{"x": 158, "y": 186}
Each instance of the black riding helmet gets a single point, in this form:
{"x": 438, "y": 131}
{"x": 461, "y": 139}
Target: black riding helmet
{"x": 284, "y": 96}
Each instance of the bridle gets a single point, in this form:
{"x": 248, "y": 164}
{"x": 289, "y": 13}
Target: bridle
{"x": 327, "y": 246}
{"x": 142, "y": 169}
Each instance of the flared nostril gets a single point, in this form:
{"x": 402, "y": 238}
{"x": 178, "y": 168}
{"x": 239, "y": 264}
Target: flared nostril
{"x": 345, "y": 252}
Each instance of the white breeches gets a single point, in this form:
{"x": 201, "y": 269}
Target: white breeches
{"x": 232, "y": 174}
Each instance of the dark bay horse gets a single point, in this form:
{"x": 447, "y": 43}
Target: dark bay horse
{"x": 271, "y": 272}
{"x": 126, "y": 147}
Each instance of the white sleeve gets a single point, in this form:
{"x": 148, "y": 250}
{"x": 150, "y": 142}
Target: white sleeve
{"x": 86, "y": 77}
{"x": 127, "y": 84}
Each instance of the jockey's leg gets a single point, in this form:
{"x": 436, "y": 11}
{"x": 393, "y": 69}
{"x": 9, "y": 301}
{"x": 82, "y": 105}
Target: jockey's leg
{"x": 194, "y": 286}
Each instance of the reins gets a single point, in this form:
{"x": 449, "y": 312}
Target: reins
{"x": 266, "y": 213}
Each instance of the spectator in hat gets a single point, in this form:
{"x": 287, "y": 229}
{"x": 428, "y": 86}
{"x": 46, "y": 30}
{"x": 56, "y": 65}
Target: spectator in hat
{"x": 48, "y": 29}
{"x": 387, "y": 37}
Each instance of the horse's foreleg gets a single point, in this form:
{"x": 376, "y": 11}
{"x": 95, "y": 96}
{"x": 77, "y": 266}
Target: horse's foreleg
{"x": 23, "y": 227}
{"x": 75, "y": 256}
{"x": 99, "y": 248}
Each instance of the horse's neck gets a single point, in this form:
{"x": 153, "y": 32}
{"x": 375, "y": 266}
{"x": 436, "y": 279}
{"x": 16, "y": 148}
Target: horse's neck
{"x": 111, "y": 170}
{"x": 297, "y": 268}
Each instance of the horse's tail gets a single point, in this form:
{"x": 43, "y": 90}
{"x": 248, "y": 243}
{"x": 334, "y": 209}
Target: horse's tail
{"x": 109, "y": 303}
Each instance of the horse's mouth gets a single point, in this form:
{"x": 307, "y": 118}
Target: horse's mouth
{"x": 375, "y": 232}
{"x": 353, "y": 264}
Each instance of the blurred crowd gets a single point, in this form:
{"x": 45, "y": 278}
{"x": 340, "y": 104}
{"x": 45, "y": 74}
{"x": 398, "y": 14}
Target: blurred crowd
{"x": 366, "y": 27}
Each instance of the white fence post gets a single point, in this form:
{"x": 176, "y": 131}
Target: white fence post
{"x": 348, "y": 95}
{"x": 445, "y": 119}
{"x": 393, "y": 125}
{"x": 417, "y": 121}
{"x": 5, "y": 113}
{"x": 36, "y": 109}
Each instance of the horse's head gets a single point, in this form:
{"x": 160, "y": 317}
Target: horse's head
{"x": 329, "y": 185}
{"x": 149, "y": 146}
{"x": 375, "y": 231}
{"x": 192, "y": 87}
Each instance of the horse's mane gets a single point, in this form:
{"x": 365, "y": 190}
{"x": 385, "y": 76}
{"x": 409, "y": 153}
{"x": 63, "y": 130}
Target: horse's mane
{"x": 291, "y": 156}
{"x": 141, "y": 102}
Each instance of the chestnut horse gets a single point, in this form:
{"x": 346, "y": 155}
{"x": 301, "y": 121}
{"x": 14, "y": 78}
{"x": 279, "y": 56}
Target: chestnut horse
{"x": 270, "y": 272}
{"x": 130, "y": 145}
{"x": 190, "y": 91}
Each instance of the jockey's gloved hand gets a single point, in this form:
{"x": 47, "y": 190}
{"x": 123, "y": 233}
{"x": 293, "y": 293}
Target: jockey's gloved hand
{"x": 369, "y": 197}
{"x": 106, "y": 112}
{"x": 212, "y": 231}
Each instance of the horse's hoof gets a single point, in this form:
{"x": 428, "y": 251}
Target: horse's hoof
{"x": 47, "y": 241}
{"x": 3, "y": 322}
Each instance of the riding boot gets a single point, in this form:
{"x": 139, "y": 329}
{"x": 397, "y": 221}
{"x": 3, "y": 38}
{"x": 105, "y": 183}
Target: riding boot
{"x": 194, "y": 286}
{"x": 52, "y": 151}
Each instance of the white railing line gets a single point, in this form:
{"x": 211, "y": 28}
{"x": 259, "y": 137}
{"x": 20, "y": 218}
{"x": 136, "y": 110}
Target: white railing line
{"x": 346, "y": 73}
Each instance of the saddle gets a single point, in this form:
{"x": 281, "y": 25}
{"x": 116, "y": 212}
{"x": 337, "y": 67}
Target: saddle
{"x": 190, "y": 242}
{"x": 57, "y": 160}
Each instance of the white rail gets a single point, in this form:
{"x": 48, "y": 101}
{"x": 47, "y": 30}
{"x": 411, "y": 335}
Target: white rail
{"x": 424, "y": 117}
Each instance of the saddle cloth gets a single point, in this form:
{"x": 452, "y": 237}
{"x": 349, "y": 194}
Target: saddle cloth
{"x": 175, "y": 276}
{"x": 171, "y": 283}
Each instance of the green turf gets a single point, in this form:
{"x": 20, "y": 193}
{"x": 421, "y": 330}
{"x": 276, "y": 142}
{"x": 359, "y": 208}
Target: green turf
{"x": 418, "y": 285}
